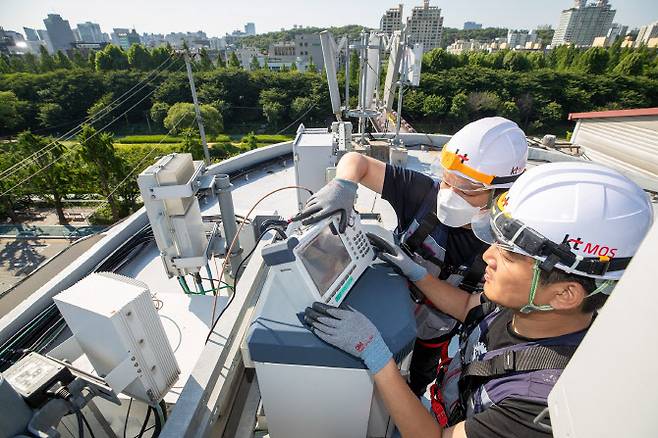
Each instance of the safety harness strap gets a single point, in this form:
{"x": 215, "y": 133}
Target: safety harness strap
{"x": 531, "y": 359}
{"x": 415, "y": 242}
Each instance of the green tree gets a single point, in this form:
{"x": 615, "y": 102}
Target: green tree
{"x": 91, "y": 59}
{"x": 139, "y": 58}
{"x": 4, "y": 65}
{"x": 192, "y": 144}
{"x": 204, "y": 63}
{"x": 97, "y": 150}
{"x": 302, "y": 104}
{"x": 482, "y": 104}
{"x": 458, "y": 110}
{"x": 158, "y": 112}
{"x": 254, "y": 64}
{"x": 250, "y": 141}
{"x": 233, "y": 61}
{"x": 412, "y": 103}
{"x": 159, "y": 56}
{"x": 101, "y": 106}
{"x": 182, "y": 114}
{"x": 111, "y": 58}
{"x": 551, "y": 113}
{"x": 50, "y": 174}
{"x": 311, "y": 67}
{"x": 50, "y": 114}
{"x": 273, "y": 102}
{"x": 630, "y": 65}
{"x": 509, "y": 110}
{"x": 516, "y": 61}
{"x": 31, "y": 63}
{"x": 593, "y": 61}
{"x": 220, "y": 62}
{"x": 293, "y": 66}
{"x": 46, "y": 62}
{"x": 438, "y": 59}
{"x": 10, "y": 111}
{"x": 62, "y": 61}
{"x": 354, "y": 69}
{"x": 434, "y": 106}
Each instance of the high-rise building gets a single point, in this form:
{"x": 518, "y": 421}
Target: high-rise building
{"x": 582, "y": 23}
{"x": 646, "y": 33}
{"x": 519, "y": 38}
{"x": 125, "y": 38}
{"x": 31, "y": 34}
{"x": 59, "y": 32}
{"x": 250, "y": 28}
{"x": 43, "y": 36}
{"x": 391, "y": 20}
{"x": 471, "y": 25}
{"x": 425, "y": 26}
{"x": 90, "y": 32}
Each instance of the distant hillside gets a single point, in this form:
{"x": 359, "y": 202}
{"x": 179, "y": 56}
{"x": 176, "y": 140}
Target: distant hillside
{"x": 263, "y": 41}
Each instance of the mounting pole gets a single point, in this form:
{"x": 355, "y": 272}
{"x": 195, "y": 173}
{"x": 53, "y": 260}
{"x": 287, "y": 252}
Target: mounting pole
{"x": 199, "y": 119}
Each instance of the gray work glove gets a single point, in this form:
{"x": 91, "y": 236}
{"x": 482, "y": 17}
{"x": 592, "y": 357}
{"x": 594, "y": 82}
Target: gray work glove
{"x": 350, "y": 331}
{"x": 337, "y": 195}
{"x": 397, "y": 258}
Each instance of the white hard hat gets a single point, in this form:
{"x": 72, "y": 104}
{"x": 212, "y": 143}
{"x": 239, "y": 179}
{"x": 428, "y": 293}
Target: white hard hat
{"x": 579, "y": 217}
{"x": 492, "y": 152}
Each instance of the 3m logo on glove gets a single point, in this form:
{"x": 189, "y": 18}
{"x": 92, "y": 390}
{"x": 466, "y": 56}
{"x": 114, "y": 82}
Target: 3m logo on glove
{"x": 361, "y": 345}
{"x": 590, "y": 248}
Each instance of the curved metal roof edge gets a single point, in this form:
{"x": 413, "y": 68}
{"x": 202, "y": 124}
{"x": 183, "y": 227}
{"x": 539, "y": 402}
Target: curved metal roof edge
{"x": 614, "y": 113}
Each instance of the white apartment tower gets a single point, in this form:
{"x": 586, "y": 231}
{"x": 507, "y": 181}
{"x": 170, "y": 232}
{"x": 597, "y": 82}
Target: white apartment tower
{"x": 646, "y": 33}
{"x": 425, "y": 25}
{"x": 582, "y": 23}
{"x": 391, "y": 20}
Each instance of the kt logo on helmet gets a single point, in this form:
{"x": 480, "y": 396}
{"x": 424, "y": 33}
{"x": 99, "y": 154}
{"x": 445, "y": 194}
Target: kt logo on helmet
{"x": 594, "y": 249}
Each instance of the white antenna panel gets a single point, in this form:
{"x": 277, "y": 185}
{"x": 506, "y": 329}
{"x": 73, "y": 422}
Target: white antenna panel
{"x": 393, "y": 71}
{"x": 373, "y": 70}
{"x": 113, "y": 319}
{"x": 329, "y": 55}
{"x": 413, "y": 64}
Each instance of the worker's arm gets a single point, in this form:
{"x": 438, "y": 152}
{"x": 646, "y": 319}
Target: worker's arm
{"x": 364, "y": 170}
{"x": 339, "y": 194}
{"x": 352, "y": 332}
{"x": 447, "y": 298}
{"x": 408, "y": 413}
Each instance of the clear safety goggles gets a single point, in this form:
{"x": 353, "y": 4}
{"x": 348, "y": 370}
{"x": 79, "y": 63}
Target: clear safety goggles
{"x": 456, "y": 162}
{"x": 496, "y": 227}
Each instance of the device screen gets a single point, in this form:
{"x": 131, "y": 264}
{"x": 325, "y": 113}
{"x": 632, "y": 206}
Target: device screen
{"x": 325, "y": 258}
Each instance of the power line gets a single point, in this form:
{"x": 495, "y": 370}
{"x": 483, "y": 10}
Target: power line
{"x": 106, "y": 202}
{"x": 72, "y": 149}
{"x": 90, "y": 119}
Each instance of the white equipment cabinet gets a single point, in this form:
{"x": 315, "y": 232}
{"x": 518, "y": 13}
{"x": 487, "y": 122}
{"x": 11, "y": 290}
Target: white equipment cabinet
{"x": 114, "y": 321}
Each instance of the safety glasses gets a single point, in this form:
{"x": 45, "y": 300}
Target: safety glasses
{"x": 454, "y": 161}
{"x": 497, "y": 227}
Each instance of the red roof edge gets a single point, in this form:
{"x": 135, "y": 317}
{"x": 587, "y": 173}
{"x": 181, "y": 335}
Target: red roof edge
{"x": 615, "y": 113}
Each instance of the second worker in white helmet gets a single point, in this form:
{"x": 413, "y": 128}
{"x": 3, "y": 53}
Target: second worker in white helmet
{"x": 433, "y": 216}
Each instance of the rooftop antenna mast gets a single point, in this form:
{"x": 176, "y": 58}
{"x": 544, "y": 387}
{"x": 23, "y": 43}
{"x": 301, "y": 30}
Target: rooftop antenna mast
{"x": 363, "y": 112}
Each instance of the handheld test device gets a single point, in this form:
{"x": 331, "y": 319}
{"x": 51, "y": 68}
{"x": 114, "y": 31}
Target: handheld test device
{"x": 320, "y": 260}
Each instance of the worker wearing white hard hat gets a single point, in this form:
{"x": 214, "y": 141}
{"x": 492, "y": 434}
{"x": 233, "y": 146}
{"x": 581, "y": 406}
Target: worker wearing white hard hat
{"x": 561, "y": 238}
{"x": 433, "y": 214}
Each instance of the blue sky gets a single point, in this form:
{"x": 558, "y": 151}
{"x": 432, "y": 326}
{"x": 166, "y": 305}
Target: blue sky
{"x": 216, "y": 17}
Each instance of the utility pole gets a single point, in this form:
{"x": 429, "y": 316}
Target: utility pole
{"x": 199, "y": 119}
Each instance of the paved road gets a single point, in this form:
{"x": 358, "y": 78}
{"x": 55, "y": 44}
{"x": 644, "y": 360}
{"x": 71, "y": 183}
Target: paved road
{"x": 21, "y": 257}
